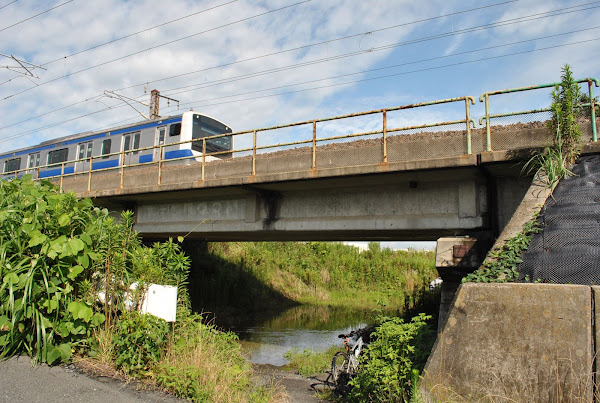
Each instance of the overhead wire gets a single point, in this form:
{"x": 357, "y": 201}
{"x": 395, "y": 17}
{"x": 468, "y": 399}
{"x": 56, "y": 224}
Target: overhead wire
{"x": 510, "y": 21}
{"x": 34, "y": 16}
{"x": 275, "y": 53}
{"x": 399, "y": 65}
{"x": 346, "y": 75}
{"x": 504, "y": 22}
{"x": 319, "y": 43}
{"x": 399, "y": 74}
{"x": 155, "y": 47}
{"x": 137, "y": 33}
{"x": 351, "y": 54}
{"x": 6, "y": 5}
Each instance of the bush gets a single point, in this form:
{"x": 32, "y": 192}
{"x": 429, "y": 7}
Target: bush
{"x": 139, "y": 342}
{"x": 391, "y": 364}
{"x": 48, "y": 243}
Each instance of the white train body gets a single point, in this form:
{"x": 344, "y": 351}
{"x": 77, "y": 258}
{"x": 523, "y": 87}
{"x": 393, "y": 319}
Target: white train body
{"x": 73, "y": 153}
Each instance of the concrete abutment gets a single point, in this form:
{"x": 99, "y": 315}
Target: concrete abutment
{"x": 516, "y": 342}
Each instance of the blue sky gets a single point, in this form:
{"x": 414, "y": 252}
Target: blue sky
{"x": 421, "y": 38}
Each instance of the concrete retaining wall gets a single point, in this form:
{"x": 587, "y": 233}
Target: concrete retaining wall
{"x": 516, "y": 342}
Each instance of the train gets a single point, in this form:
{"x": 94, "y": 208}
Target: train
{"x": 74, "y": 153}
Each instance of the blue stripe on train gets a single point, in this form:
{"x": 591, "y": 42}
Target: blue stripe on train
{"x": 145, "y": 158}
{"x": 178, "y": 154}
{"x": 56, "y": 172}
{"x": 105, "y": 164}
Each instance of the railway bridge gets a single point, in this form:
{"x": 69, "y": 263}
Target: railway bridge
{"x": 363, "y": 176}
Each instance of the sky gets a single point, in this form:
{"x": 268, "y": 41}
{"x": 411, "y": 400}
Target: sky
{"x": 253, "y": 63}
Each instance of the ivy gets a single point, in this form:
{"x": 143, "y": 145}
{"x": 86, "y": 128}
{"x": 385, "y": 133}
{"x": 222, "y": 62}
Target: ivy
{"x": 502, "y": 268}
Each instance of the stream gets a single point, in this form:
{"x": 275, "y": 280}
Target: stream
{"x": 265, "y": 339}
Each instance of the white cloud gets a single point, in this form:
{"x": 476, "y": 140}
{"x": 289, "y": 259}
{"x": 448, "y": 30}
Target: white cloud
{"x": 80, "y": 25}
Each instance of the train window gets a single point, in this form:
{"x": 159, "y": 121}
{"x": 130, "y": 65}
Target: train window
{"x": 161, "y": 136}
{"x": 34, "y": 160}
{"x": 175, "y": 129}
{"x": 58, "y": 156}
{"x": 136, "y": 142}
{"x": 84, "y": 150}
{"x": 207, "y": 127}
{"x": 12, "y": 165}
{"x": 106, "y": 147}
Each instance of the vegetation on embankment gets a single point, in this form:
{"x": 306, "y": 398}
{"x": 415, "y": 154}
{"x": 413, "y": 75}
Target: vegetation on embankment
{"x": 253, "y": 275}
{"x": 66, "y": 271}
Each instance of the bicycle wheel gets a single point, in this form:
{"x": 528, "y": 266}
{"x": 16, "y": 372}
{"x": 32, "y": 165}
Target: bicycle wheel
{"x": 339, "y": 370}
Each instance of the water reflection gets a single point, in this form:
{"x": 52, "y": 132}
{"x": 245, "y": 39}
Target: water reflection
{"x": 266, "y": 339}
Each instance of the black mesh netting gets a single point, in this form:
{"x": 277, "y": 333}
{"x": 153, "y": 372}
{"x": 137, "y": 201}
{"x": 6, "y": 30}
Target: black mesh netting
{"x": 567, "y": 251}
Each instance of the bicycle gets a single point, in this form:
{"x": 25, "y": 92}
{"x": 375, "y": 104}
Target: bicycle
{"x": 345, "y": 363}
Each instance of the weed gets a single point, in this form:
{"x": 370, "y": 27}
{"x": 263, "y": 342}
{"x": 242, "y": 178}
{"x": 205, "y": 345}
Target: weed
{"x": 308, "y": 362}
{"x": 554, "y": 162}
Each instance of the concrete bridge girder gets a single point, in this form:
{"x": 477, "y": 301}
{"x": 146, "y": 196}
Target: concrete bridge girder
{"x": 418, "y": 205}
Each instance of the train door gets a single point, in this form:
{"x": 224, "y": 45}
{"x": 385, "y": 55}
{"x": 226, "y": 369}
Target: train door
{"x": 131, "y": 141}
{"x": 84, "y": 152}
{"x": 159, "y": 140}
{"x": 33, "y": 162}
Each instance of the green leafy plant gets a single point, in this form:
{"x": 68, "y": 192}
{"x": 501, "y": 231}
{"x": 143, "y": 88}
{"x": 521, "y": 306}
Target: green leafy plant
{"x": 47, "y": 253}
{"x": 139, "y": 342}
{"x": 391, "y": 363}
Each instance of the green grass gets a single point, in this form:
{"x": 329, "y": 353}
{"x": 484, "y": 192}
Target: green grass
{"x": 253, "y": 275}
{"x": 307, "y": 362}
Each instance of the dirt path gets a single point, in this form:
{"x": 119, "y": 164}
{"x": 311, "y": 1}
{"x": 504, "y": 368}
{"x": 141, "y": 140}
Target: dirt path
{"x": 299, "y": 388}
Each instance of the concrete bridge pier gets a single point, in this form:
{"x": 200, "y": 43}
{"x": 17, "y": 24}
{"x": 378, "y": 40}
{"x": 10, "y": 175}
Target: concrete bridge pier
{"x": 455, "y": 258}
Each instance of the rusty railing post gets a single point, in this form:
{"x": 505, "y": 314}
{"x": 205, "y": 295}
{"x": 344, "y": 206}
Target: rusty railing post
{"x": 314, "y": 145}
{"x": 488, "y": 136}
{"x": 385, "y": 155}
{"x": 160, "y": 161}
{"x": 62, "y": 172}
{"x": 122, "y": 168}
{"x": 90, "y": 174}
{"x": 254, "y": 154}
{"x": 592, "y": 109}
{"x": 468, "y": 121}
{"x": 203, "y": 157}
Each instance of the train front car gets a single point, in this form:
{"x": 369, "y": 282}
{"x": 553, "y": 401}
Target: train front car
{"x": 195, "y": 126}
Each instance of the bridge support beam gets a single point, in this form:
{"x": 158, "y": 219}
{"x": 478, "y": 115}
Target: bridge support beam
{"x": 411, "y": 206}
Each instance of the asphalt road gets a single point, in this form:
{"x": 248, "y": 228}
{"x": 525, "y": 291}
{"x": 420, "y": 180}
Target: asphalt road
{"x": 21, "y": 382}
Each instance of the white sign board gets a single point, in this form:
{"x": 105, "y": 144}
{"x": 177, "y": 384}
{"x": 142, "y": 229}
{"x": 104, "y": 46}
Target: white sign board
{"x": 161, "y": 301}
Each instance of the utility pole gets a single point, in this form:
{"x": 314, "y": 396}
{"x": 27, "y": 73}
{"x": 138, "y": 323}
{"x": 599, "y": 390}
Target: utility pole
{"x": 155, "y": 103}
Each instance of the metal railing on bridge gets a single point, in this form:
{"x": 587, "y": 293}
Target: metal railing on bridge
{"x": 383, "y": 142}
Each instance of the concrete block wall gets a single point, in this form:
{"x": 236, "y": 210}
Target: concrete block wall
{"x": 517, "y": 343}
